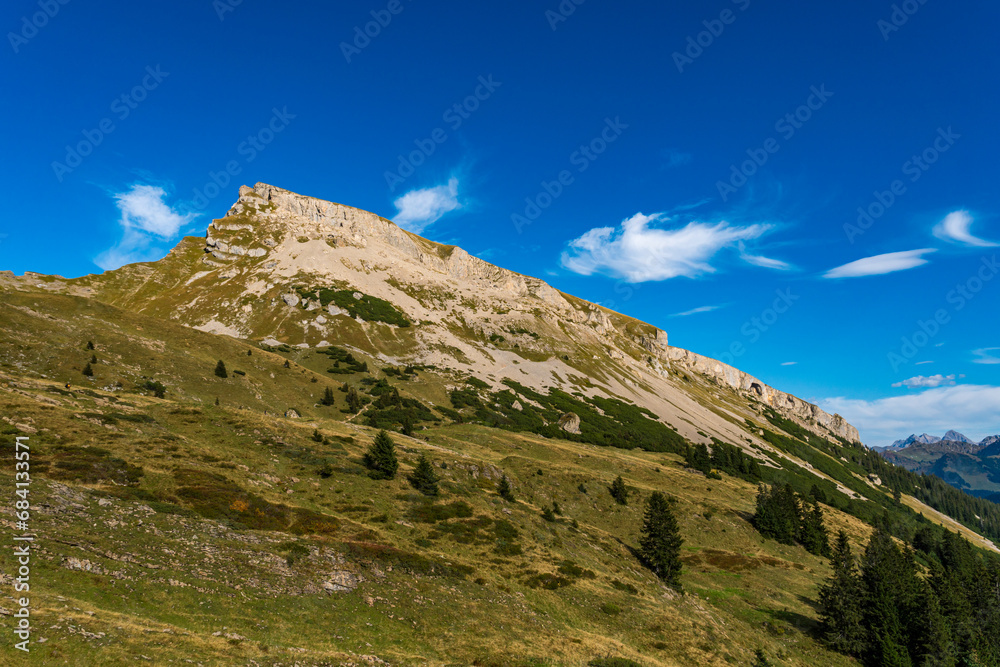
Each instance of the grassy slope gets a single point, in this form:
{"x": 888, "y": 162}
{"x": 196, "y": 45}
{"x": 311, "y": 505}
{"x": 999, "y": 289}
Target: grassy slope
{"x": 431, "y": 593}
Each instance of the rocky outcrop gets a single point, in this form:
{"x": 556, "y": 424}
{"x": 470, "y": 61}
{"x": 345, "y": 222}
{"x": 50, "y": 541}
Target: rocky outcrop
{"x": 780, "y": 401}
{"x": 570, "y": 422}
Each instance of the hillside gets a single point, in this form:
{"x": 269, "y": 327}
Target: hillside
{"x": 185, "y": 513}
{"x": 970, "y": 466}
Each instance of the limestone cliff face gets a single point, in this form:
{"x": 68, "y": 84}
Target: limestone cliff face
{"x": 250, "y": 275}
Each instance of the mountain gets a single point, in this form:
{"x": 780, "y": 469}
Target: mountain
{"x": 972, "y": 467}
{"x": 198, "y": 429}
{"x": 923, "y": 439}
{"x": 955, "y": 436}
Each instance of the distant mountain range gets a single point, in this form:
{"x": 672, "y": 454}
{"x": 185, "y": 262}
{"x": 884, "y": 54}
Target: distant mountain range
{"x": 973, "y": 467}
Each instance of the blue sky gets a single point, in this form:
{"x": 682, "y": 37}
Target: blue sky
{"x": 700, "y": 166}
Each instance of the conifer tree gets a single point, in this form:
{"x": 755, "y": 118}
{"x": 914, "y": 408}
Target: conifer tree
{"x": 660, "y": 540}
{"x": 380, "y": 459}
{"x": 888, "y": 579}
{"x": 90, "y": 345}
{"x": 841, "y": 602}
{"x": 220, "y": 369}
{"x": 93, "y": 358}
{"x": 812, "y": 533}
{"x": 423, "y": 477}
{"x": 317, "y": 436}
{"x": 504, "y": 489}
{"x": 328, "y": 398}
{"x": 353, "y": 400}
{"x": 88, "y": 371}
{"x": 548, "y": 514}
{"x": 619, "y": 491}
{"x": 930, "y": 635}
{"x": 760, "y": 660}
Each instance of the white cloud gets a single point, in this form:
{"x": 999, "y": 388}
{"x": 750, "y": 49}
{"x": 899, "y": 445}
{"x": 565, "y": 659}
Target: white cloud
{"x": 788, "y": 363}
{"x": 921, "y": 363}
{"x": 984, "y": 356}
{"x": 970, "y": 408}
{"x": 955, "y": 227}
{"x": 636, "y": 252}
{"x": 675, "y": 158}
{"x": 419, "y": 209}
{"x": 695, "y": 311}
{"x": 144, "y": 216}
{"x": 880, "y": 264}
{"x": 923, "y": 382}
{"x": 759, "y": 260}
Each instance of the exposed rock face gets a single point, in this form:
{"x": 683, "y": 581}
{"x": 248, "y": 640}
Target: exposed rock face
{"x": 570, "y": 422}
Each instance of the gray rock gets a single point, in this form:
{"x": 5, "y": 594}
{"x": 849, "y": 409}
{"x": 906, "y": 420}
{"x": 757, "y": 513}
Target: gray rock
{"x": 290, "y": 299}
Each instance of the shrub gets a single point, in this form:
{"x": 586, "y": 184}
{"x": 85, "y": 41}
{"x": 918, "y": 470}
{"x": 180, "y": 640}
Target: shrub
{"x": 611, "y": 609}
{"x": 317, "y": 436}
{"x": 326, "y": 471}
{"x": 90, "y": 345}
{"x": 504, "y": 490}
{"x": 548, "y": 514}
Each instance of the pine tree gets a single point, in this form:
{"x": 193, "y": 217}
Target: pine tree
{"x": 380, "y": 459}
{"x": 93, "y": 358}
{"x": 88, "y": 371}
{"x": 407, "y": 425}
{"x": 504, "y": 489}
{"x": 619, "y": 491}
{"x": 423, "y": 477}
{"x": 216, "y": 400}
{"x": 353, "y": 400}
{"x": 888, "y": 580}
{"x": 660, "y": 540}
{"x": 90, "y": 345}
{"x": 220, "y": 369}
{"x": 841, "y": 602}
{"x": 812, "y": 532}
{"x": 328, "y": 398}
{"x": 317, "y": 436}
{"x": 930, "y": 636}
{"x": 287, "y": 364}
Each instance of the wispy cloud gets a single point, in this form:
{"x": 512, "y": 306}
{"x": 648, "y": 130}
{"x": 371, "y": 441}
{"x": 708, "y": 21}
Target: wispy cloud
{"x": 881, "y": 264}
{"x": 695, "y": 311}
{"x": 759, "y": 260}
{"x": 788, "y": 363}
{"x": 419, "y": 209}
{"x": 921, "y": 363}
{"x": 925, "y": 382}
{"x": 145, "y": 217}
{"x": 636, "y": 251}
{"x": 972, "y": 408}
{"x": 985, "y": 355}
{"x": 955, "y": 228}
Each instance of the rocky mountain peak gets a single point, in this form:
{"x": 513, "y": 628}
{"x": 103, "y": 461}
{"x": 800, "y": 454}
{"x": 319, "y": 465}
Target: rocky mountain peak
{"x": 955, "y": 436}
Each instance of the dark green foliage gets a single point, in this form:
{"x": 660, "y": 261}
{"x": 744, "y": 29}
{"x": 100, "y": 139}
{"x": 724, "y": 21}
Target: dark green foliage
{"x": 328, "y": 398}
{"x": 240, "y": 373}
{"x": 91, "y": 465}
{"x": 93, "y": 358}
{"x": 582, "y": 488}
{"x": 760, "y": 659}
{"x": 88, "y": 371}
{"x": 613, "y": 662}
{"x": 698, "y": 458}
{"x": 317, "y": 436}
{"x": 733, "y": 461}
{"x": 556, "y": 509}
{"x": 476, "y": 382}
{"x": 549, "y": 582}
{"x": 220, "y": 369}
{"x": 548, "y": 514}
{"x": 368, "y": 308}
{"x": 90, "y": 345}
{"x": 782, "y": 516}
{"x": 423, "y": 478}
{"x": 354, "y": 402}
{"x": 287, "y": 364}
{"x": 462, "y": 398}
{"x": 891, "y": 583}
{"x": 660, "y": 540}
{"x": 156, "y": 387}
{"x": 504, "y": 489}
{"x": 427, "y": 512}
{"x": 326, "y": 470}
{"x": 339, "y": 355}
{"x": 380, "y": 459}
{"x": 841, "y": 602}
{"x": 619, "y": 491}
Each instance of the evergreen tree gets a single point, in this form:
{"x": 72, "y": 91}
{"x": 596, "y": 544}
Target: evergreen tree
{"x": 619, "y": 491}
{"x": 841, "y": 602}
{"x": 504, "y": 489}
{"x": 660, "y": 540}
{"x": 88, "y": 371}
{"x": 407, "y": 425}
{"x": 888, "y": 580}
{"x": 760, "y": 660}
{"x": 423, "y": 477}
{"x": 812, "y": 532}
{"x": 556, "y": 509}
{"x": 548, "y": 514}
{"x": 930, "y": 636}
{"x": 328, "y": 398}
{"x": 216, "y": 400}
{"x": 93, "y": 358}
{"x": 220, "y": 369}
{"x": 317, "y": 436}
{"x": 90, "y": 345}
{"x": 287, "y": 364}
{"x": 777, "y": 515}
{"x": 353, "y": 400}
{"x": 380, "y": 459}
